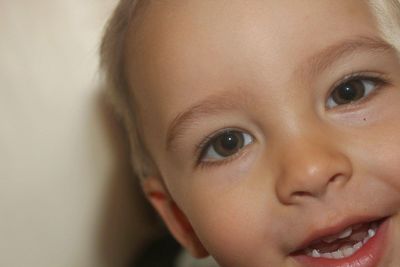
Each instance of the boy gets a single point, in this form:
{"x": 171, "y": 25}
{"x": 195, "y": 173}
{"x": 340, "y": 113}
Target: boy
{"x": 266, "y": 133}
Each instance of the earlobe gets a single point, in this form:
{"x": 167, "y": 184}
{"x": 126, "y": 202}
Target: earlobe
{"x": 176, "y": 221}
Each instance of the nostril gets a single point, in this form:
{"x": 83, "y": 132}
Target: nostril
{"x": 337, "y": 179}
{"x": 334, "y": 178}
{"x": 301, "y": 194}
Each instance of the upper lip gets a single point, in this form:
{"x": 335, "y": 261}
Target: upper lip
{"x": 333, "y": 229}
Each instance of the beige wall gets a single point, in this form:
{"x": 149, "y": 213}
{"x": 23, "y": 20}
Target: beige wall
{"x": 66, "y": 195}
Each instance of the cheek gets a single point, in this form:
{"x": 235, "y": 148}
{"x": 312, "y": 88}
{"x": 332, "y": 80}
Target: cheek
{"x": 381, "y": 153}
{"x": 386, "y": 161}
{"x": 236, "y": 225}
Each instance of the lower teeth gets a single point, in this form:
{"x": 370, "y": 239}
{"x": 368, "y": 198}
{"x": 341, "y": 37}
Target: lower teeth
{"x": 345, "y": 251}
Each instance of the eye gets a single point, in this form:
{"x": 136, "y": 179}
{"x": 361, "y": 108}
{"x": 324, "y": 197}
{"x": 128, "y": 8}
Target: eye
{"x": 352, "y": 90}
{"x": 225, "y": 144}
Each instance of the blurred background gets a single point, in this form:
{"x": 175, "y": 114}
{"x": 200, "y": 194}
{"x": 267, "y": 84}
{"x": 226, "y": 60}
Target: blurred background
{"x": 67, "y": 194}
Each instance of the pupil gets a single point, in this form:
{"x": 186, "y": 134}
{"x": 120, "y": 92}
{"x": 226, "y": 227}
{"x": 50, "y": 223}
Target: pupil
{"x": 229, "y": 141}
{"x": 347, "y": 92}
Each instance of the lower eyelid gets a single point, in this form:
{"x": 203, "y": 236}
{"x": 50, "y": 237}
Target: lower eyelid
{"x": 358, "y": 104}
{"x": 216, "y": 163}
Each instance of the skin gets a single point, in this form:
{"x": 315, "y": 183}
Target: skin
{"x": 308, "y": 166}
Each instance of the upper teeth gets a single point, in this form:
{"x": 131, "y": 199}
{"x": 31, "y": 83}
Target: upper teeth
{"x": 346, "y": 233}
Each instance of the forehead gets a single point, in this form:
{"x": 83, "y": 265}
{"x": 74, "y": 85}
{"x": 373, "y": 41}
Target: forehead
{"x": 181, "y": 51}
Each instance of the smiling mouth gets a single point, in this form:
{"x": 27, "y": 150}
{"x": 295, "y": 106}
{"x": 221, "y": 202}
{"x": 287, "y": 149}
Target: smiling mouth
{"x": 355, "y": 244}
{"x": 342, "y": 244}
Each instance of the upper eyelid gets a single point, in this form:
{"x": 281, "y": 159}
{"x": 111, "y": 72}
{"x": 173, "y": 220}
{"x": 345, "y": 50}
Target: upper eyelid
{"x": 357, "y": 75}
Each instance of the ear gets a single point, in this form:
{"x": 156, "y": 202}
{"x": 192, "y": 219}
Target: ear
{"x": 176, "y": 221}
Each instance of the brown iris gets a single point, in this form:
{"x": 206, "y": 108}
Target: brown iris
{"x": 349, "y": 92}
{"x": 228, "y": 143}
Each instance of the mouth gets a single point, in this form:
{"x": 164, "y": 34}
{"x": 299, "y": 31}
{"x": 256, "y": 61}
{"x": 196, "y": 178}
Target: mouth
{"x": 352, "y": 244}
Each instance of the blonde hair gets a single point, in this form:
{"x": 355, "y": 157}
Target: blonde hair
{"x": 388, "y": 16}
{"x": 116, "y": 87}
{"x": 112, "y": 66}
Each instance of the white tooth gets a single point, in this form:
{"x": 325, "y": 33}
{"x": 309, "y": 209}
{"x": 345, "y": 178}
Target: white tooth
{"x": 329, "y": 239}
{"x": 371, "y": 233}
{"x": 346, "y": 233}
{"x": 358, "y": 245}
{"x": 315, "y": 253}
{"x": 337, "y": 254}
{"x": 327, "y": 255}
{"x": 347, "y": 251}
{"x": 366, "y": 239}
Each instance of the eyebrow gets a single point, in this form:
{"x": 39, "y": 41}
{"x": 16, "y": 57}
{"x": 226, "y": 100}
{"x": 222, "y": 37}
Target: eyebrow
{"x": 324, "y": 59}
{"x": 229, "y": 100}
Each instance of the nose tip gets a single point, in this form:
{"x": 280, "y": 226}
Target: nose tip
{"x": 310, "y": 171}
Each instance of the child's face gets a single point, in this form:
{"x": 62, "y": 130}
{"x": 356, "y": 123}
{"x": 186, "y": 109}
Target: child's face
{"x": 273, "y": 124}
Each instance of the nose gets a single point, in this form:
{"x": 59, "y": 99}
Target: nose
{"x": 310, "y": 168}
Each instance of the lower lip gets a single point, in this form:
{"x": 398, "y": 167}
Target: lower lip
{"x": 367, "y": 256}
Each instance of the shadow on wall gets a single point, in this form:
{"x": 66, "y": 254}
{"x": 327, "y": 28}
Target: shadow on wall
{"x": 128, "y": 223}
